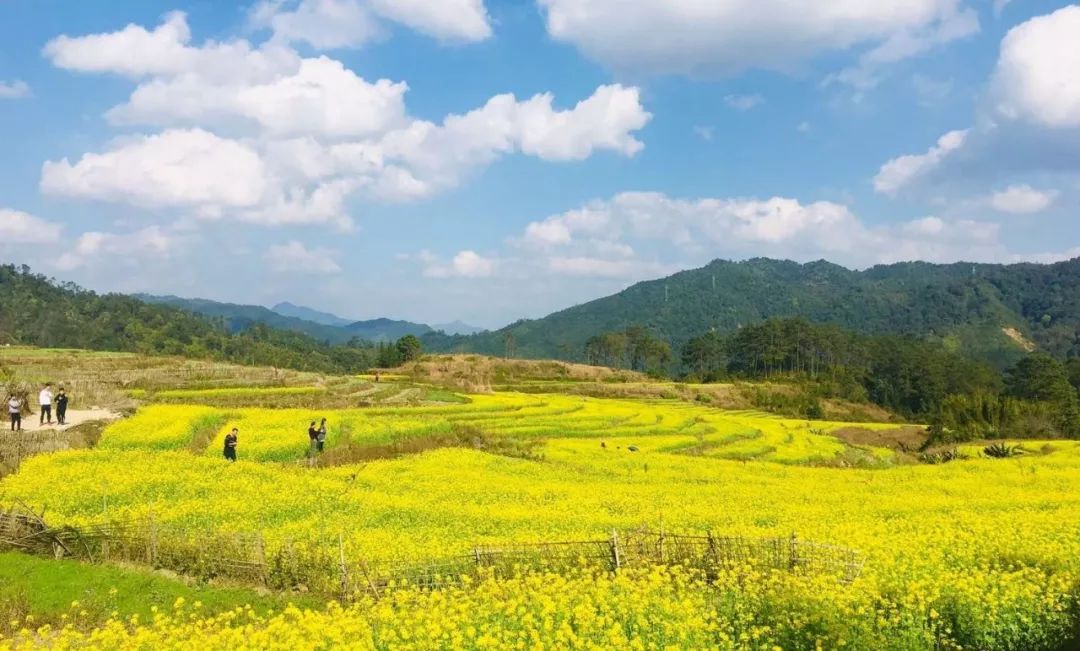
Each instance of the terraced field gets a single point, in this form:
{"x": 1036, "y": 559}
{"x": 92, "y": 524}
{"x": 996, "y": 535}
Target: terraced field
{"x": 280, "y": 434}
{"x": 978, "y": 553}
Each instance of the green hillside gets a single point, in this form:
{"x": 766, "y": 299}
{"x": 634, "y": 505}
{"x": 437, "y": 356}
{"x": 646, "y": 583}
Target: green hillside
{"x": 38, "y": 311}
{"x": 386, "y": 330}
{"x": 987, "y": 311}
{"x": 238, "y": 318}
{"x": 241, "y": 317}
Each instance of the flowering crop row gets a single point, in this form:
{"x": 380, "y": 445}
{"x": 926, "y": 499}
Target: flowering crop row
{"x": 280, "y": 434}
{"x": 978, "y": 553}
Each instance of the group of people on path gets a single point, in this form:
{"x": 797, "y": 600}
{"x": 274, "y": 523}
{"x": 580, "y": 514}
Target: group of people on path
{"x": 46, "y": 399}
{"x": 316, "y": 436}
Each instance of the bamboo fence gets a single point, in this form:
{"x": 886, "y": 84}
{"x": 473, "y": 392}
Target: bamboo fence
{"x": 324, "y": 567}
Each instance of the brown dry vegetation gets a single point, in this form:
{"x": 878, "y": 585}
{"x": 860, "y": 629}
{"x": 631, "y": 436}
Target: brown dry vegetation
{"x": 906, "y": 438}
{"x": 103, "y": 379}
{"x": 479, "y": 373}
{"x": 14, "y": 447}
{"x": 482, "y": 374}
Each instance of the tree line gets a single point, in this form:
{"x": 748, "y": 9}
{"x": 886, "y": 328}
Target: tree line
{"x": 634, "y": 348}
{"x": 921, "y": 380}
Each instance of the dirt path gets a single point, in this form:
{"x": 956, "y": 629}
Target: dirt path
{"x": 74, "y": 417}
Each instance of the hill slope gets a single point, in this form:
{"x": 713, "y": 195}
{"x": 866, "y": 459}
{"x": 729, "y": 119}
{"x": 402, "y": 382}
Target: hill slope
{"x": 37, "y": 311}
{"x": 386, "y": 329}
{"x": 240, "y": 317}
{"x": 976, "y": 309}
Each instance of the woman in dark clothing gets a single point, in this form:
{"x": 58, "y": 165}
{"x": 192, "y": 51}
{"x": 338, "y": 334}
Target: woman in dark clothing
{"x": 313, "y": 438}
{"x": 321, "y": 438}
{"x": 61, "y": 406}
{"x": 230, "y": 444}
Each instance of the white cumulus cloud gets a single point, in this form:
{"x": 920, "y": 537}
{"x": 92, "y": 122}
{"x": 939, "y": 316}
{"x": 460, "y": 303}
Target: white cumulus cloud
{"x": 702, "y": 37}
{"x": 318, "y": 96}
{"x": 1036, "y": 77}
{"x": 1022, "y": 199}
{"x": 329, "y": 24}
{"x": 173, "y": 168}
{"x": 264, "y": 135}
{"x": 1027, "y": 122}
{"x": 122, "y": 249}
{"x": 14, "y": 89}
{"x": 611, "y": 238}
{"x": 17, "y": 227}
{"x": 465, "y": 264}
{"x": 900, "y": 172}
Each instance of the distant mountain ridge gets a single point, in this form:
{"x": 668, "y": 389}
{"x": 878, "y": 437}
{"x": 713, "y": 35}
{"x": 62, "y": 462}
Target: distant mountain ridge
{"x": 328, "y": 327}
{"x": 983, "y": 310}
{"x": 286, "y": 308}
{"x": 240, "y": 317}
{"x": 386, "y": 329}
{"x": 458, "y": 328}
{"x": 377, "y": 325}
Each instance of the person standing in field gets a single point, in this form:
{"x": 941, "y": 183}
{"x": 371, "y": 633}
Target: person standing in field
{"x": 45, "y": 399}
{"x": 320, "y": 439}
{"x": 61, "y": 407}
{"x": 14, "y": 406}
{"x": 230, "y": 444}
{"x": 313, "y": 438}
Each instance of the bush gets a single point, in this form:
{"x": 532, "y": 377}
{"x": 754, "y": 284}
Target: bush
{"x": 942, "y": 456}
{"x": 1001, "y": 451}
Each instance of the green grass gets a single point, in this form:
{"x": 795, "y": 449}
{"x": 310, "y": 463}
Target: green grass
{"x": 46, "y": 589}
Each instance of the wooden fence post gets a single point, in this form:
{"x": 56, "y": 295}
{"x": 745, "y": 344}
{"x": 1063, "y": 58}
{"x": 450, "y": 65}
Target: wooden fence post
{"x": 367, "y": 575}
{"x": 615, "y": 549}
{"x": 663, "y": 557}
{"x": 260, "y": 557}
{"x": 344, "y": 570}
{"x": 793, "y": 551}
{"x": 150, "y": 536}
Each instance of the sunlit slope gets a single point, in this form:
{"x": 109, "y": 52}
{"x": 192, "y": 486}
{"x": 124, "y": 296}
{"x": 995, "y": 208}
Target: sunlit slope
{"x": 980, "y": 550}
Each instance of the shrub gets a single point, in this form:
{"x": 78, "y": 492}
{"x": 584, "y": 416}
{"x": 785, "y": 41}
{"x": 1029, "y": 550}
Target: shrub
{"x": 1001, "y": 450}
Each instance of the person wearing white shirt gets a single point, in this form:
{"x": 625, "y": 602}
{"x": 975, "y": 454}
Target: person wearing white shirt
{"x": 45, "y": 402}
{"x": 14, "y": 405}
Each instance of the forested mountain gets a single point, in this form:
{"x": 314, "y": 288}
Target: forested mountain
{"x": 987, "y": 311}
{"x": 241, "y": 317}
{"x": 386, "y": 330}
{"x": 37, "y": 311}
{"x": 458, "y": 328}
{"x": 306, "y": 313}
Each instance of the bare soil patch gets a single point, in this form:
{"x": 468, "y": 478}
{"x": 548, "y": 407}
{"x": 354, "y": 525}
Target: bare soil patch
{"x": 907, "y": 437}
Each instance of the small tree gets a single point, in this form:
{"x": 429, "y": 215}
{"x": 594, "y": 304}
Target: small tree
{"x": 409, "y": 347}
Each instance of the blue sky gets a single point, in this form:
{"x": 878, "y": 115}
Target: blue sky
{"x": 487, "y": 160}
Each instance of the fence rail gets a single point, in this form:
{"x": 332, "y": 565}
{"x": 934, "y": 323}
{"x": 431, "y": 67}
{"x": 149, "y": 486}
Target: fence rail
{"x": 324, "y": 567}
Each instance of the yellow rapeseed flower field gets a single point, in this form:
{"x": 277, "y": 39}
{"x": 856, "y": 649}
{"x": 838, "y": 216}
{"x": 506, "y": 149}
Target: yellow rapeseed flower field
{"x": 978, "y": 554}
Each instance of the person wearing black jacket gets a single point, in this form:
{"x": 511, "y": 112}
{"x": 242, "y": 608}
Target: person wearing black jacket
{"x": 61, "y": 406}
{"x": 231, "y": 440}
{"x": 320, "y": 436}
{"x": 313, "y": 437}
